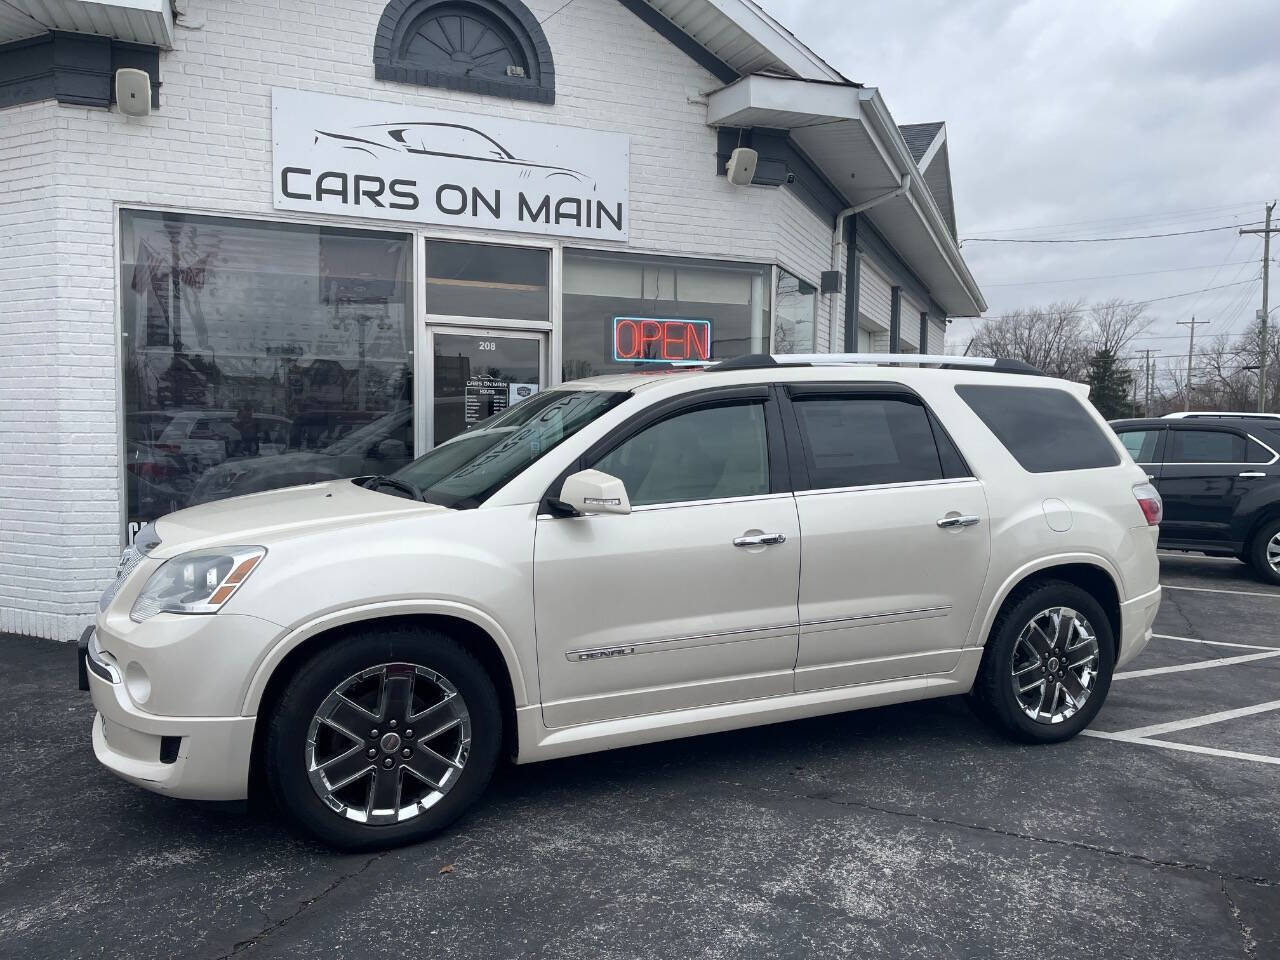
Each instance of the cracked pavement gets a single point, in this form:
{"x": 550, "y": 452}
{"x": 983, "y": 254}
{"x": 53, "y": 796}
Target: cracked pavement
{"x": 906, "y": 831}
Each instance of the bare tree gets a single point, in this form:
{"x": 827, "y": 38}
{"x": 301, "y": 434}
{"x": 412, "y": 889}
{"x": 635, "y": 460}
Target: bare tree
{"x": 1113, "y": 325}
{"x": 1052, "y": 338}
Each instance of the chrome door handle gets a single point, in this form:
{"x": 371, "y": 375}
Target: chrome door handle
{"x": 1252, "y": 473}
{"x": 760, "y": 540}
{"x": 959, "y": 521}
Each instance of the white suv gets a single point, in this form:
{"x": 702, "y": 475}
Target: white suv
{"x": 628, "y": 559}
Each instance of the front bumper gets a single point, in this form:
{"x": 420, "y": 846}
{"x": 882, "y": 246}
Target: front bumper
{"x": 197, "y": 758}
{"x": 1136, "y": 619}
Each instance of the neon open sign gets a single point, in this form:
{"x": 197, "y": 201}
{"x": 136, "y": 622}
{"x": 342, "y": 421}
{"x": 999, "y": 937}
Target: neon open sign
{"x": 661, "y": 340}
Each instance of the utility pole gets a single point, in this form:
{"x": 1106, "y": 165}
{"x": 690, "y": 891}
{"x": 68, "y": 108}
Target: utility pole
{"x": 1191, "y": 349}
{"x": 1146, "y": 356}
{"x": 1266, "y": 231}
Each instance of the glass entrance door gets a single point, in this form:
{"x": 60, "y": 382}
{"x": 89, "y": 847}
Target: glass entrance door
{"x": 477, "y": 372}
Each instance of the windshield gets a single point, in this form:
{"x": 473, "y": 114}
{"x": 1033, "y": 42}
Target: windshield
{"x": 471, "y": 467}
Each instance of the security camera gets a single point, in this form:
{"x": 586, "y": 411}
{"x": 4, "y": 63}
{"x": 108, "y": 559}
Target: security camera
{"x": 741, "y": 168}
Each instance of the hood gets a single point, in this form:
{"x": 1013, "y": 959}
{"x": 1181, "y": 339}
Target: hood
{"x": 264, "y": 518}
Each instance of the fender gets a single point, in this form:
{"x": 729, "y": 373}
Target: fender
{"x": 372, "y": 611}
{"x": 1022, "y": 572}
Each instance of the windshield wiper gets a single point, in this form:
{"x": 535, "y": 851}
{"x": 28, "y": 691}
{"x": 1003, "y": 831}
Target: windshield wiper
{"x": 404, "y": 485}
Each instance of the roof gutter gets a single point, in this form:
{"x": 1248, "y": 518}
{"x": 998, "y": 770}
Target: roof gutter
{"x": 837, "y": 238}
{"x": 886, "y": 131}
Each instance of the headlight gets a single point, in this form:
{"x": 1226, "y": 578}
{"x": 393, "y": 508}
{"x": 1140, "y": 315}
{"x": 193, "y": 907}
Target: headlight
{"x": 197, "y": 582}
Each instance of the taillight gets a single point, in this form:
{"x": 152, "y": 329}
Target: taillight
{"x": 1149, "y": 500}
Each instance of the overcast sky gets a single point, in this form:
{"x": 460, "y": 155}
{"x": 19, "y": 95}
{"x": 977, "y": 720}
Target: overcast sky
{"x": 1083, "y": 119}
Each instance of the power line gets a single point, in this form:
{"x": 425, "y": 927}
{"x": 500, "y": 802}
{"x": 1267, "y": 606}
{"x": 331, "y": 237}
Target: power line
{"x": 1135, "y": 303}
{"x": 1185, "y": 213}
{"x": 1116, "y": 276}
{"x": 1140, "y": 236}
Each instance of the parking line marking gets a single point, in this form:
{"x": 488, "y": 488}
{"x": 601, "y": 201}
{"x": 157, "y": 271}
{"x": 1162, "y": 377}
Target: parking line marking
{"x": 1156, "y": 729}
{"x": 1185, "y": 747}
{"x": 1198, "y": 665}
{"x": 1241, "y": 593}
{"x": 1216, "y": 643}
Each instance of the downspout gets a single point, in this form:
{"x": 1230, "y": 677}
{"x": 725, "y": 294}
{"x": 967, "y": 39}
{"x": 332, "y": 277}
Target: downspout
{"x": 837, "y": 237}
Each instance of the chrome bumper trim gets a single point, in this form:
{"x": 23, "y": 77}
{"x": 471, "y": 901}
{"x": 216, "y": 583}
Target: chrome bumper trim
{"x": 97, "y": 661}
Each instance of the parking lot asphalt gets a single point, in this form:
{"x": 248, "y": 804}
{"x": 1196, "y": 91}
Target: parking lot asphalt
{"x": 906, "y": 831}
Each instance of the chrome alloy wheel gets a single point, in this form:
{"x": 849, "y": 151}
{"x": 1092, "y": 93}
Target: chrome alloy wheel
{"x": 388, "y": 743}
{"x": 1273, "y": 553}
{"x": 1055, "y": 665}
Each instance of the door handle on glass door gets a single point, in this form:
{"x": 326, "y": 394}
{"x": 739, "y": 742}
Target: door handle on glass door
{"x": 1253, "y": 473}
{"x": 760, "y": 540}
{"x": 958, "y": 521}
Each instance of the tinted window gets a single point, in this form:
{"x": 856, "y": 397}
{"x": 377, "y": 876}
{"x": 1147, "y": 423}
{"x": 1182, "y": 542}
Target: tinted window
{"x": 1258, "y": 453}
{"x": 854, "y": 441}
{"x": 1205, "y": 446}
{"x": 704, "y": 454}
{"x": 1141, "y": 444}
{"x": 1045, "y": 429}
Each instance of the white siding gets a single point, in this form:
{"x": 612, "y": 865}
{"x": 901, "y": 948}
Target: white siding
{"x": 874, "y": 299}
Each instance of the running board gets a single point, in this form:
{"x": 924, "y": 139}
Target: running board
{"x": 537, "y": 742}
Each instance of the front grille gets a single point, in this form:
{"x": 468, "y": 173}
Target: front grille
{"x": 129, "y": 561}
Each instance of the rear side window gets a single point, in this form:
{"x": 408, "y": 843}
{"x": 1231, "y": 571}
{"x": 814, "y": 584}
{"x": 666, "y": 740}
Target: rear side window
{"x": 1046, "y": 430}
{"x": 1205, "y": 446}
{"x": 1141, "y": 444}
{"x": 856, "y": 441}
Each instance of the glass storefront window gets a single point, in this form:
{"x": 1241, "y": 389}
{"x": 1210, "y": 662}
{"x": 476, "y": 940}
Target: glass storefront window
{"x": 624, "y": 312}
{"x": 483, "y": 280}
{"x": 260, "y": 355}
{"x": 797, "y": 307}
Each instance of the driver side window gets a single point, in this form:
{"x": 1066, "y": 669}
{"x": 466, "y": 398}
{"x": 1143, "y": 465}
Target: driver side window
{"x": 705, "y": 454}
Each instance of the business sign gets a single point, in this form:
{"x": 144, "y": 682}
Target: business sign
{"x": 363, "y": 158}
{"x": 678, "y": 340}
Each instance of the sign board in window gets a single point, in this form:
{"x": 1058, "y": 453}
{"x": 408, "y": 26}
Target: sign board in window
{"x": 363, "y": 158}
{"x": 677, "y": 340}
{"x": 483, "y": 397}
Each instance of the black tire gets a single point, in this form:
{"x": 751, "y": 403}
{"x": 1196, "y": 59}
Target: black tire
{"x": 1257, "y": 552}
{"x": 285, "y": 757}
{"x": 993, "y": 697}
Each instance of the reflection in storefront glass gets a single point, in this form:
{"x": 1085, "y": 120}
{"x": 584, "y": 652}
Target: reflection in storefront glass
{"x": 260, "y": 355}
{"x": 623, "y": 312}
{"x": 797, "y": 307}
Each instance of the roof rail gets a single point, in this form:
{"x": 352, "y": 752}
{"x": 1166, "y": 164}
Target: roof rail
{"x": 758, "y": 360}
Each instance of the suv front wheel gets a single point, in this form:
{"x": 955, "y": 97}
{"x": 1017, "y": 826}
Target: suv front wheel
{"x": 1047, "y": 665}
{"x": 1263, "y": 553}
{"x": 383, "y": 738}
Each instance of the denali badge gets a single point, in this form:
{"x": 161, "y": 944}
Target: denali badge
{"x": 600, "y": 653}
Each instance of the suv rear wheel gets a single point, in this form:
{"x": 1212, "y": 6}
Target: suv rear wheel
{"x": 1048, "y": 663}
{"x": 1264, "y": 551}
{"x": 383, "y": 738}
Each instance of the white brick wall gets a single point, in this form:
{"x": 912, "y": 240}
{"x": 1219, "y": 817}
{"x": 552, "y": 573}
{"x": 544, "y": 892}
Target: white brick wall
{"x": 208, "y": 148}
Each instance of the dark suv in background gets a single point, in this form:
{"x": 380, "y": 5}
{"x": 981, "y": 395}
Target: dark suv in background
{"x": 1219, "y": 476}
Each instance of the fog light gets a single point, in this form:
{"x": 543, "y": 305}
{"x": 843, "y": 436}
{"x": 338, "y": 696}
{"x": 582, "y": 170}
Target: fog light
{"x": 137, "y": 682}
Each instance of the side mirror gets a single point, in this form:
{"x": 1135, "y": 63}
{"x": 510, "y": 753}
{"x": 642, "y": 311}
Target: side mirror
{"x": 593, "y": 491}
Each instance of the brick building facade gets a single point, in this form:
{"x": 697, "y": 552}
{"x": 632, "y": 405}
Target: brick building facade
{"x": 178, "y": 327}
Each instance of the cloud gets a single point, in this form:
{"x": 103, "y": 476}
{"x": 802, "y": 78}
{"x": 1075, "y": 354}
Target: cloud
{"x": 1083, "y": 119}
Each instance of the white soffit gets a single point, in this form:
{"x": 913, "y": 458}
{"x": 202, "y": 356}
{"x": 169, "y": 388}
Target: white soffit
{"x": 137, "y": 21}
{"x": 742, "y": 35}
{"x": 848, "y": 133}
